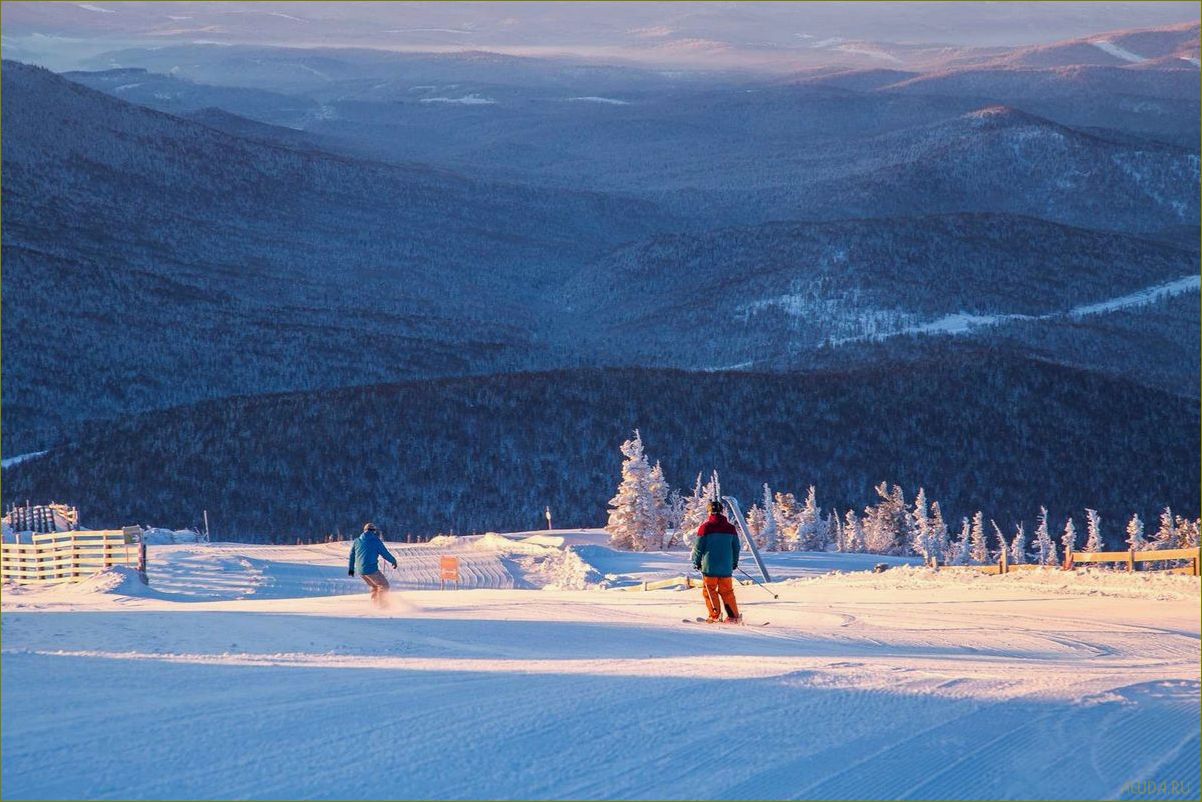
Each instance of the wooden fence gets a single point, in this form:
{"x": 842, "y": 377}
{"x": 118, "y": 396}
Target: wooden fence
{"x": 1128, "y": 558}
{"x": 1131, "y": 557}
{"x": 70, "y": 556}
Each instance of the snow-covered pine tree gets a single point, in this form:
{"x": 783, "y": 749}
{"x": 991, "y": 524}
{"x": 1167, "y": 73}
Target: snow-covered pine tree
{"x": 1018, "y": 546}
{"x": 835, "y": 526}
{"x": 962, "y": 548}
{"x": 809, "y": 524}
{"x": 1045, "y": 547}
{"x": 755, "y": 524}
{"x": 786, "y": 513}
{"x": 832, "y": 528}
{"x": 1093, "y": 528}
{"x": 979, "y": 552}
{"x": 1003, "y": 548}
{"x": 660, "y": 515}
{"x": 885, "y": 523}
{"x": 769, "y": 534}
{"x": 1166, "y": 533}
{"x": 694, "y": 513}
{"x": 940, "y": 544}
{"x": 1068, "y": 541}
{"x": 853, "y": 534}
{"x": 637, "y": 514}
{"x": 1187, "y": 532}
{"x": 1135, "y": 534}
{"x": 676, "y": 514}
{"x": 920, "y": 528}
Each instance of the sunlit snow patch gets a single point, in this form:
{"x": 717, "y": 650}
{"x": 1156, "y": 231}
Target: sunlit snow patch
{"x": 1116, "y": 51}
{"x": 608, "y": 100}
{"x": 466, "y": 100}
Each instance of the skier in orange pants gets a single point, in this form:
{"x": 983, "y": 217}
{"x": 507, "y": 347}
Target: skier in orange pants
{"x": 716, "y": 556}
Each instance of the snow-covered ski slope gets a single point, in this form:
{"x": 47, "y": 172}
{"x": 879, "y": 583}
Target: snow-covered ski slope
{"x": 254, "y": 673}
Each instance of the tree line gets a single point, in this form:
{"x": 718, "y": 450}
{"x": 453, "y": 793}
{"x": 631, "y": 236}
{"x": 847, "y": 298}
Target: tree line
{"x": 646, "y": 514}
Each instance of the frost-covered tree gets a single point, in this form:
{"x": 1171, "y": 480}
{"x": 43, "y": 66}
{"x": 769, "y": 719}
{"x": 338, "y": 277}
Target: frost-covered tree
{"x": 962, "y": 549}
{"x": 786, "y": 515}
{"x": 1135, "y": 534}
{"x": 853, "y": 534}
{"x": 1187, "y": 532}
{"x": 1068, "y": 541}
{"x": 1166, "y": 533}
{"x": 638, "y": 512}
{"x": 834, "y": 530}
{"x": 755, "y": 522}
{"x": 768, "y": 533}
{"x": 885, "y": 523}
{"x": 1003, "y": 548}
{"x": 657, "y": 492}
{"x": 811, "y": 529}
{"x": 939, "y": 542}
{"x": 1018, "y": 546}
{"x": 697, "y": 507}
{"x": 920, "y": 527}
{"x": 689, "y": 507}
{"x": 834, "y": 525}
{"x": 675, "y": 510}
{"x": 1093, "y": 529}
{"x": 1045, "y": 547}
{"x": 979, "y": 552}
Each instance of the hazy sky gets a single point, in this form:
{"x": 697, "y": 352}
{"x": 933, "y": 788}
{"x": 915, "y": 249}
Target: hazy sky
{"x": 57, "y": 34}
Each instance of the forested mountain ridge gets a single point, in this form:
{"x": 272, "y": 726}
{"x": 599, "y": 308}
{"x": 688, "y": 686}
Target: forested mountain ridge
{"x": 977, "y": 429}
{"x": 158, "y": 261}
{"x": 779, "y": 291}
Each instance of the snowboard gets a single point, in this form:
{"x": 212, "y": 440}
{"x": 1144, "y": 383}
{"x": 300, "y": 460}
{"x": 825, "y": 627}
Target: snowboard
{"x": 700, "y": 620}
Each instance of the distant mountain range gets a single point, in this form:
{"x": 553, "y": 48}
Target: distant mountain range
{"x": 1008, "y": 236}
{"x": 159, "y": 261}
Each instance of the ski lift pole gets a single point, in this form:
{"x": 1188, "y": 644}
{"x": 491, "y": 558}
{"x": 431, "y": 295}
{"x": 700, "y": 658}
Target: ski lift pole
{"x": 733, "y": 504}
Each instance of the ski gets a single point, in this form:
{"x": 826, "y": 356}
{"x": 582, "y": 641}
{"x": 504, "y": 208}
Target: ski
{"x": 700, "y": 620}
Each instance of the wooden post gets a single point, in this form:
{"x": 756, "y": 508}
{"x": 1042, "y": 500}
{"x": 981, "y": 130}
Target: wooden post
{"x": 142, "y": 562}
{"x": 1130, "y": 560}
{"x": 1068, "y": 560}
{"x": 1004, "y": 561}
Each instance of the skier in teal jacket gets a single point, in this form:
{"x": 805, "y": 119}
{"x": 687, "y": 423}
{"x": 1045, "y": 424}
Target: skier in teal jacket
{"x": 716, "y": 556}
{"x": 366, "y": 550}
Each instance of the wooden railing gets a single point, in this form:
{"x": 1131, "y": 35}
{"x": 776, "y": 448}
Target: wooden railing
{"x": 1131, "y": 557}
{"x": 69, "y": 556}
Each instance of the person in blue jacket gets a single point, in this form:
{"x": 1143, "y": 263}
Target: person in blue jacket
{"x": 366, "y": 550}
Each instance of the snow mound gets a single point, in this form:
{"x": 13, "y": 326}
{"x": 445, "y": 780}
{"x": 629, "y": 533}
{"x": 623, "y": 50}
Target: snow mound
{"x": 560, "y": 569}
{"x": 562, "y": 538}
{"x": 119, "y": 580}
{"x": 156, "y": 536}
{"x": 1086, "y": 582}
{"x": 543, "y": 561}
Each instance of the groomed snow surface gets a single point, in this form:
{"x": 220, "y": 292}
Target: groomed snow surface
{"x": 263, "y": 673}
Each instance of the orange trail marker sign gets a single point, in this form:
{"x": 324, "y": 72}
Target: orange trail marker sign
{"x": 449, "y": 570}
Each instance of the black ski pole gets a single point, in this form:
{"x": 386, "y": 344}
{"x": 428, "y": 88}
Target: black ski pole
{"x": 758, "y": 584}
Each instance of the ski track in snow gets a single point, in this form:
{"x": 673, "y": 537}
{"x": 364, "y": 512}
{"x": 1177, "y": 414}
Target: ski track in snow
{"x": 253, "y": 672}
{"x": 964, "y": 322}
{"x": 8, "y": 462}
{"x": 1118, "y": 52}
